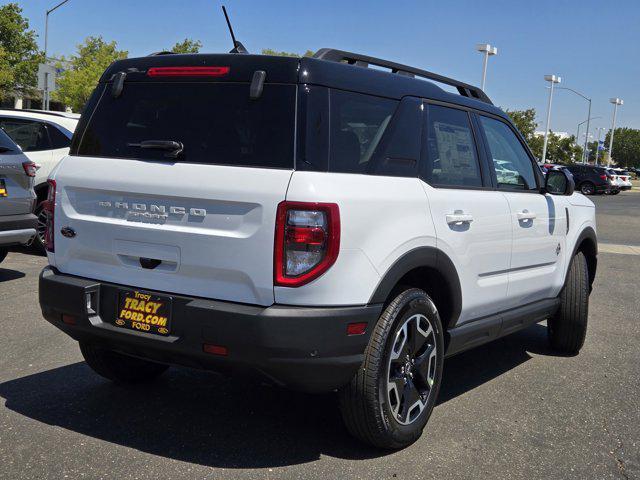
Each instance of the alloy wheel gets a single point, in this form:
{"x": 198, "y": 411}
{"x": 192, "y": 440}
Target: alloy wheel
{"x": 411, "y": 369}
{"x": 41, "y": 226}
{"x": 587, "y": 189}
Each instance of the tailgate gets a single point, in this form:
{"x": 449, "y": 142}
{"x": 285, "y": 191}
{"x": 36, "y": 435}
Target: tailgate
{"x": 173, "y": 185}
{"x": 208, "y": 229}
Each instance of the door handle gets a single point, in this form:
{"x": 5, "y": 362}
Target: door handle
{"x": 458, "y": 217}
{"x": 525, "y": 215}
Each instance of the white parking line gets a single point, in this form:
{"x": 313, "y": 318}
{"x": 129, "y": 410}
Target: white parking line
{"x": 621, "y": 249}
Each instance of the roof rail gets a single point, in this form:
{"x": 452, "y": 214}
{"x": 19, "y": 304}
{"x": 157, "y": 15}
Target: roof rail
{"x": 360, "y": 60}
{"x": 42, "y": 112}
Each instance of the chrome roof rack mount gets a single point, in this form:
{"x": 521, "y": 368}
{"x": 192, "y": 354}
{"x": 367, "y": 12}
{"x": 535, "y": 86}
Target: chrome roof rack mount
{"x": 357, "y": 59}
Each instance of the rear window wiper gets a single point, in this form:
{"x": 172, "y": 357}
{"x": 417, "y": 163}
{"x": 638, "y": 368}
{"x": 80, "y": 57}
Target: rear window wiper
{"x": 174, "y": 148}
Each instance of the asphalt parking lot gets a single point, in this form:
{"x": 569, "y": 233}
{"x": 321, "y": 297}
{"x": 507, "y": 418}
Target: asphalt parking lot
{"x": 511, "y": 409}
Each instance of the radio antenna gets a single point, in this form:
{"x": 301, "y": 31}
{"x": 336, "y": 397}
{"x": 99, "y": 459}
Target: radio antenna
{"x": 237, "y": 46}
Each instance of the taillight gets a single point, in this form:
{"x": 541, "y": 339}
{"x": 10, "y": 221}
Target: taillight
{"x": 307, "y": 241}
{"x": 30, "y": 168}
{"x": 187, "y": 71}
{"x": 603, "y": 177}
{"x": 49, "y": 208}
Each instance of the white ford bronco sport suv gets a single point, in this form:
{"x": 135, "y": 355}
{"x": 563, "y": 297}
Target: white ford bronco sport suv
{"x": 323, "y": 224}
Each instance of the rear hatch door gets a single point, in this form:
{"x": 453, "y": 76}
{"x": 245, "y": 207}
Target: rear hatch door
{"x": 197, "y": 219}
{"x": 16, "y": 188}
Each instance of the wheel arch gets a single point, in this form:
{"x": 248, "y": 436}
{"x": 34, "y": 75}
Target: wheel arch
{"x": 42, "y": 190}
{"x": 433, "y": 271}
{"x": 587, "y": 243}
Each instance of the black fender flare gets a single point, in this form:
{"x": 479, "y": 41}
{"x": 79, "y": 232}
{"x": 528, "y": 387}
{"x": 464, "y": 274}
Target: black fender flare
{"x": 588, "y": 233}
{"x": 423, "y": 257}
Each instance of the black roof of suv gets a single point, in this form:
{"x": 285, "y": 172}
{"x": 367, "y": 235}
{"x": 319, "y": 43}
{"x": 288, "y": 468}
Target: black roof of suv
{"x": 204, "y": 106}
{"x": 331, "y": 68}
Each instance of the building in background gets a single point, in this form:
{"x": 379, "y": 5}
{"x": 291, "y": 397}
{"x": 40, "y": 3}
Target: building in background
{"x": 561, "y": 135}
{"x": 34, "y": 101}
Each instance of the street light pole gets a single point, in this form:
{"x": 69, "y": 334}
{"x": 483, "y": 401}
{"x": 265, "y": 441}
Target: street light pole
{"x": 553, "y": 79}
{"x": 488, "y": 51}
{"x": 588, "y": 118}
{"x": 45, "y": 97}
{"x": 616, "y": 102}
{"x": 586, "y": 134}
{"x": 599, "y": 129}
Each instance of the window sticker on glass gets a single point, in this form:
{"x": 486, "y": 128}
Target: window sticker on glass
{"x": 455, "y": 147}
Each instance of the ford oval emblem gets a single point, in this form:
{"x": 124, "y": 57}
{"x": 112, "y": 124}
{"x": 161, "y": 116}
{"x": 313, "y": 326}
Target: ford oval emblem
{"x": 68, "y": 232}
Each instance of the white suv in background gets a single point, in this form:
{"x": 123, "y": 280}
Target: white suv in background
{"x": 322, "y": 224}
{"x": 44, "y": 137}
{"x": 624, "y": 179}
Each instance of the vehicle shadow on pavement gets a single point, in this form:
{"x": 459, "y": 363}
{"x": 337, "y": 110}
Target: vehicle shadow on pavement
{"x": 472, "y": 368}
{"x": 7, "y": 274}
{"x": 202, "y": 418}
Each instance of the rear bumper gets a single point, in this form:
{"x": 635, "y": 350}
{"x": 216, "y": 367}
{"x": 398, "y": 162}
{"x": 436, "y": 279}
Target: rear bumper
{"x": 17, "y": 229}
{"x": 303, "y": 348}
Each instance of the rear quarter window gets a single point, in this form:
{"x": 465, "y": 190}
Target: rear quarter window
{"x": 358, "y": 123}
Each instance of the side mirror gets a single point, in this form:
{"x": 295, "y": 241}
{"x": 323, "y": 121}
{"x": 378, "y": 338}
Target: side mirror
{"x": 559, "y": 182}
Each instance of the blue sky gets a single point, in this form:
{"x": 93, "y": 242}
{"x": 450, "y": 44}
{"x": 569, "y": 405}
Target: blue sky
{"x": 593, "y": 45}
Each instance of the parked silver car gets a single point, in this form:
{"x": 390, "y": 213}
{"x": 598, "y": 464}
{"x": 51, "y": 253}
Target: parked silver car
{"x": 17, "y": 197}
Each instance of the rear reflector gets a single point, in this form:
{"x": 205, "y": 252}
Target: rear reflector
{"x": 356, "y": 328}
{"x": 215, "y": 349}
{"x": 69, "y": 319}
{"x": 187, "y": 71}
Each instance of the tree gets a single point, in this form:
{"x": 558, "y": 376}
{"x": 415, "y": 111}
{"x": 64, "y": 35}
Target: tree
{"x": 86, "y": 66}
{"x": 187, "y": 46}
{"x": 626, "y": 146}
{"x": 19, "y": 55}
{"x": 525, "y": 121}
{"x": 559, "y": 150}
{"x": 563, "y": 150}
{"x": 269, "y": 51}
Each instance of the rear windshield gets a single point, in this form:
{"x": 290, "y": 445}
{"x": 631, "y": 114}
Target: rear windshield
{"x": 217, "y": 123}
{"x": 6, "y": 144}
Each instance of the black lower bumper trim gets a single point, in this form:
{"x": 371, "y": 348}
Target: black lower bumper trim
{"x": 18, "y": 222}
{"x": 305, "y": 348}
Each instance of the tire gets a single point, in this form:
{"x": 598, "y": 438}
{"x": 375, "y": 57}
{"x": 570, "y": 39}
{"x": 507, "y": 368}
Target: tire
{"x": 120, "y": 368}
{"x": 567, "y": 329}
{"x": 587, "y": 188}
{"x": 372, "y": 405}
{"x": 3, "y": 254}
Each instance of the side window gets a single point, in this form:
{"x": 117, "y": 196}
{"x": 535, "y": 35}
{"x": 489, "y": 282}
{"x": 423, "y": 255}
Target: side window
{"x": 452, "y": 159}
{"x": 358, "y": 123}
{"x": 30, "y": 135}
{"x": 513, "y": 167}
{"x": 57, "y": 138}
